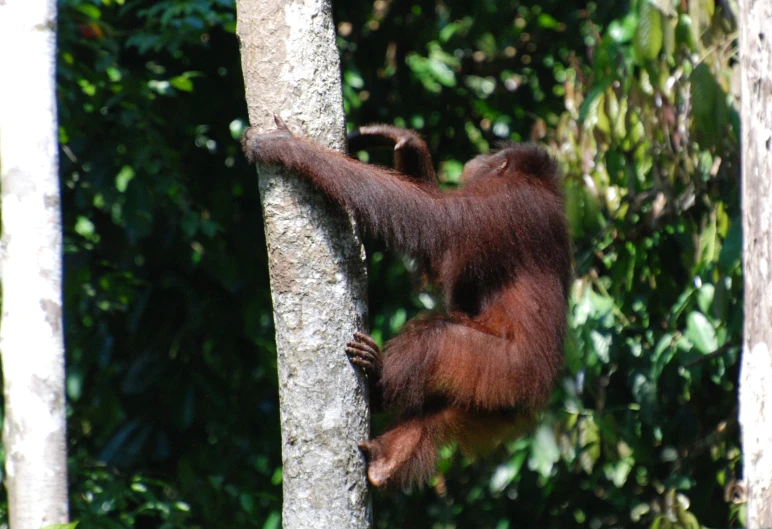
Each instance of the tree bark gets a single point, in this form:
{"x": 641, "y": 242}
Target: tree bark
{"x": 756, "y": 379}
{"x": 34, "y": 430}
{"x": 291, "y": 68}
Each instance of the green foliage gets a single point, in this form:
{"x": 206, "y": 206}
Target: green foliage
{"x": 171, "y": 364}
{"x": 643, "y": 431}
{"x": 171, "y": 367}
{"x": 647, "y": 41}
{"x": 106, "y": 498}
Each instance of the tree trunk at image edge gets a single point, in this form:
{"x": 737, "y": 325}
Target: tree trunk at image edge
{"x": 31, "y": 344}
{"x": 318, "y": 284}
{"x": 755, "y": 28}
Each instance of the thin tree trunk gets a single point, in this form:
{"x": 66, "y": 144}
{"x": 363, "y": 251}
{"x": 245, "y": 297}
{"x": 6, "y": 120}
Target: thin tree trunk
{"x": 34, "y": 429}
{"x": 318, "y": 284}
{"x": 756, "y": 380}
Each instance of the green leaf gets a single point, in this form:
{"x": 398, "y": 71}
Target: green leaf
{"x": 182, "y": 83}
{"x": 589, "y": 443}
{"x": 72, "y": 525}
{"x": 709, "y": 243}
{"x": 681, "y": 303}
{"x": 546, "y": 21}
{"x": 247, "y": 502}
{"x": 639, "y": 510}
{"x": 273, "y": 521}
{"x": 354, "y": 79}
{"x": 683, "y": 33}
{"x": 602, "y": 124}
{"x": 618, "y": 472}
{"x": 661, "y": 522}
{"x": 544, "y": 451}
{"x": 507, "y": 472}
{"x": 705, "y": 296}
{"x": 689, "y": 521}
{"x": 397, "y": 320}
{"x": 574, "y": 210}
{"x": 709, "y": 106}
{"x": 700, "y": 332}
{"x": 450, "y": 171}
{"x": 729, "y": 257}
{"x": 622, "y": 31}
{"x": 91, "y": 11}
{"x": 122, "y": 179}
{"x": 647, "y": 41}
{"x": 700, "y": 13}
{"x": 601, "y": 344}
{"x": 486, "y": 44}
{"x": 455, "y": 27}
{"x": 84, "y": 227}
{"x": 442, "y": 72}
{"x": 589, "y": 109}
{"x": 663, "y": 354}
{"x": 669, "y": 35}
{"x": 419, "y": 66}
{"x": 237, "y": 128}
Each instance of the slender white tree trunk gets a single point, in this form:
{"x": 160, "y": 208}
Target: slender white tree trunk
{"x": 34, "y": 431}
{"x": 756, "y": 379}
{"x": 318, "y": 284}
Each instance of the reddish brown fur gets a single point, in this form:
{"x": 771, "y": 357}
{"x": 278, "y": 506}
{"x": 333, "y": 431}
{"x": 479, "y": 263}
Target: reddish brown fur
{"x": 498, "y": 247}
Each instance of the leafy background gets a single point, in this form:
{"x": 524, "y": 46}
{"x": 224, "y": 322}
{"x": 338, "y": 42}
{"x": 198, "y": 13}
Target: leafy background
{"x": 173, "y": 418}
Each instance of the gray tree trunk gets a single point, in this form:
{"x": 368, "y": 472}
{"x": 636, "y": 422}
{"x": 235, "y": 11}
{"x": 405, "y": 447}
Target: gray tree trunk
{"x": 756, "y": 379}
{"x": 291, "y": 68}
{"x": 34, "y": 429}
